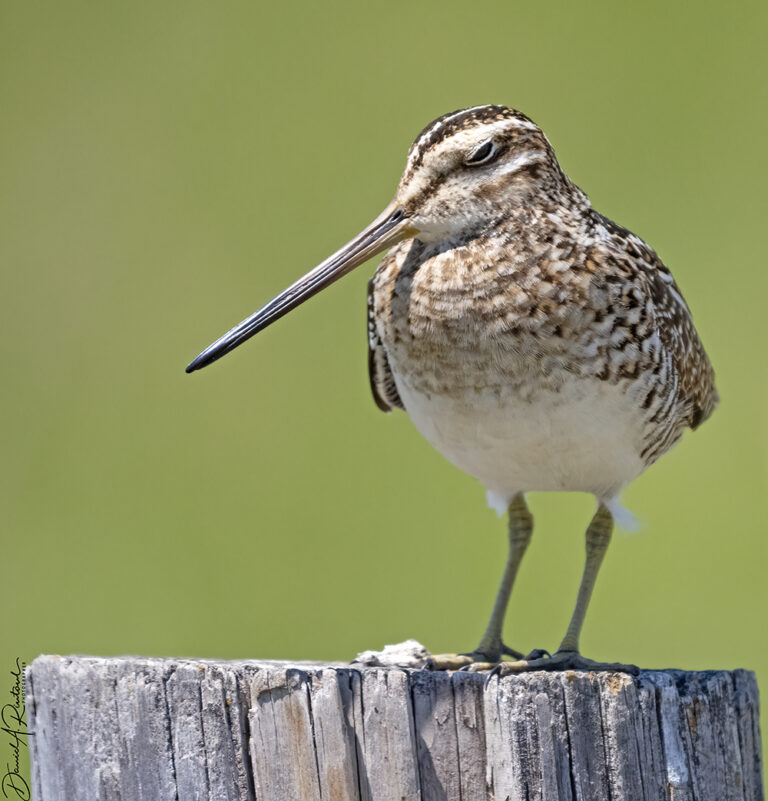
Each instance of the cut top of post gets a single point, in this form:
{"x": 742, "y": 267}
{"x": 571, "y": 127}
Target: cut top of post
{"x": 137, "y": 728}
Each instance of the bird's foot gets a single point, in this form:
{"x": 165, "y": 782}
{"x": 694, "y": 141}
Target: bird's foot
{"x": 480, "y": 659}
{"x": 562, "y": 660}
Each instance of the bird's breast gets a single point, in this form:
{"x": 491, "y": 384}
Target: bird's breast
{"x": 500, "y": 361}
{"x": 482, "y": 318}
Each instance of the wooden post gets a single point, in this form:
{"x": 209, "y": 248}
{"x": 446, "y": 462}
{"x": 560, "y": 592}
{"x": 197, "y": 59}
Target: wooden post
{"x": 178, "y": 729}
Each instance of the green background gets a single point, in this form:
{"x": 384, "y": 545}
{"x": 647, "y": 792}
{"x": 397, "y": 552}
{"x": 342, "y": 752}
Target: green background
{"x": 169, "y": 166}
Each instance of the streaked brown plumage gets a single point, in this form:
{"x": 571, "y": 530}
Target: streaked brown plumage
{"x": 548, "y": 280}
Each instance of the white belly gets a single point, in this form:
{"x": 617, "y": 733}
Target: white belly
{"x": 583, "y": 437}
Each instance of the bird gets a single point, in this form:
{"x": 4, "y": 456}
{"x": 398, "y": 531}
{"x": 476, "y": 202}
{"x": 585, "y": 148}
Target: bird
{"x": 535, "y": 343}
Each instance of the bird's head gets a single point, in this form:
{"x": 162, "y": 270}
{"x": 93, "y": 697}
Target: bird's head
{"x": 465, "y": 171}
{"x": 470, "y": 168}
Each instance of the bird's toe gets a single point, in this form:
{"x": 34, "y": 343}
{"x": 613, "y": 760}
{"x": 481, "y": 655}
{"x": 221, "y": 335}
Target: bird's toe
{"x": 562, "y": 660}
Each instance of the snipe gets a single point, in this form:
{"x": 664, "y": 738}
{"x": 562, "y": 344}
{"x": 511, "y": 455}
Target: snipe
{"x": 535, "y": 343}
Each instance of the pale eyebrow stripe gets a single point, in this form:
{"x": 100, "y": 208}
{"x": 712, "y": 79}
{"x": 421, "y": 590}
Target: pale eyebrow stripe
{"x": 416, "y": 147}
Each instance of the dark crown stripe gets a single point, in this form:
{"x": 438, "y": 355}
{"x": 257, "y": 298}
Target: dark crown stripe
{"x": 448, "y": 124}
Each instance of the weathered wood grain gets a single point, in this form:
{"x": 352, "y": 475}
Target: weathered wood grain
{"x": 132, "y": 729}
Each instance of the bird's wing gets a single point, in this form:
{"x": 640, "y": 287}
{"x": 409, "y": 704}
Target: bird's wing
{"x": 671, "y": 319}
{"x": 678, "y": 335}
{"x": 382, "y": 381}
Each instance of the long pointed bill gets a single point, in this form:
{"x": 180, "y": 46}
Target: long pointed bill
{"x": 390, "y": 227}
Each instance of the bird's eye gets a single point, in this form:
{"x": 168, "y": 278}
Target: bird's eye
{"x": 482, "y": 154}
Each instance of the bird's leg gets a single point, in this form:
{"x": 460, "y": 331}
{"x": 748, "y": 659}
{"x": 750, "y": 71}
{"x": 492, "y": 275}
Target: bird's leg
{"x": 567, "y": 656}
{"x": 520, "y": 529}
{"x": 598, "y": 538}
{"x": 491, "y": 648}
